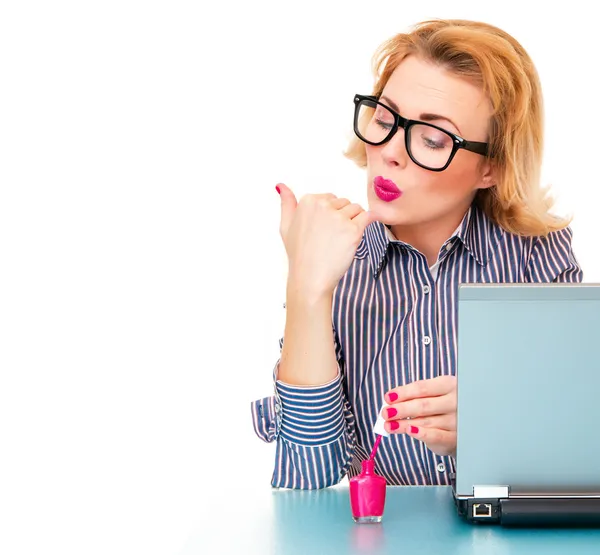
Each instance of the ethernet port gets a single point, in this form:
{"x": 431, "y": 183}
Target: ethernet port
{"x": 482, "y": 510}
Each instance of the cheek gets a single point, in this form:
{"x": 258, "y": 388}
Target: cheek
{"x": 454, "y": 182}
{"x": 371, "y": 152}
{"x": 463, "y": 172}
{"x": 442, "y": 181}
{"x": 373, "y": 161}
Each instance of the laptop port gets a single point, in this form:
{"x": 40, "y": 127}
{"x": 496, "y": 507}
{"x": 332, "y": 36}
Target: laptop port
{"x": 482, "y": 510}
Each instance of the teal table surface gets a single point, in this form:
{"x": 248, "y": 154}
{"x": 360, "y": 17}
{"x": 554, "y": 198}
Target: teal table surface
{"x": 418, "y": 520}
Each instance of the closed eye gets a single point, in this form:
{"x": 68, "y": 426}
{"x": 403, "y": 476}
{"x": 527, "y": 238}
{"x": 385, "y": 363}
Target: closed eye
{"x": 433, "y": 145}
{"x": 383, "y": 124}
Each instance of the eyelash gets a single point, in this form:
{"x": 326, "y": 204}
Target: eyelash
{"x": 387, "y": 126}
{"x": 432, "y": 145}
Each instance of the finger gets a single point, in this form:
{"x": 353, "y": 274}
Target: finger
{"x": 441, "y": 385}
{"x": 339, "y": 203}
{"x": 363, "y": 220}
{"x": 288, "y": 206}
{"x": 441, "y": 442}
{"x": 416, "y": 408}
{"x": 321, "y": 199}
{"x": 323, "y": 196}
{"x": 443, "y": 422}
{"x": 352, "y": 210}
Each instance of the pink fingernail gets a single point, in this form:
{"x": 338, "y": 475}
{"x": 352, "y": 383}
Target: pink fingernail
{"x": 394, "y": 425}
{"x": 391, "y": 412}
{"x": 414, "y": 430}
{"x": 278, "y": 189}
{"x": 392, "y": 397}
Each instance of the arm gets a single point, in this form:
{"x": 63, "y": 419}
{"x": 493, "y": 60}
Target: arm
{"x": 308, "y": 356}
{"x": 552, "y": 260}
{"x": 312, "y": 424}
{"x": 309, "y": 416}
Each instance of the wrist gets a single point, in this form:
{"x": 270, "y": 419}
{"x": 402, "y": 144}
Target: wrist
{"x": 305, "y": 291}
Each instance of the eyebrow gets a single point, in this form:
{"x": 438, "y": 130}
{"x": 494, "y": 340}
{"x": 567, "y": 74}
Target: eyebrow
{"x": 426, "y": 116}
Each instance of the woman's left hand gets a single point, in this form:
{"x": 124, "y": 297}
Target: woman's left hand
{"x": 430, "y": 407}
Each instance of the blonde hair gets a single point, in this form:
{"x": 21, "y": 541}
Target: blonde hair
{"x": 493, "y": 59}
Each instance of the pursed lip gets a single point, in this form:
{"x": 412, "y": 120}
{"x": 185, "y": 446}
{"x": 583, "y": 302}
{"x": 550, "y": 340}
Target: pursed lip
{"x": 386, "y": 189}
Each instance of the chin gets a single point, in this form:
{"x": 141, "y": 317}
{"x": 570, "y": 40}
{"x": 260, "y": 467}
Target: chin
{"x": 390, "y": 213}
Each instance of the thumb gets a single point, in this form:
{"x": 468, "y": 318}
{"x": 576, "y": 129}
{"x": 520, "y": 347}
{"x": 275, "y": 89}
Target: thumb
{"x": 288, "y": 205}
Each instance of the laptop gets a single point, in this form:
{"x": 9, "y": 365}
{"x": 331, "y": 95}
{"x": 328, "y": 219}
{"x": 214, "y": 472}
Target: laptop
{"x": 528, "y": 416}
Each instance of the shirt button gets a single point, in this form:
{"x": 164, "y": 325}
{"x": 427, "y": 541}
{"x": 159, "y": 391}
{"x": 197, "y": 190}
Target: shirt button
{"x": 277, "y": 408}
{"x": 448, "y": 246}
{"x": 427, "y": 340}
{"x": 426, "y": 289}
{"x": 441, "y": 467}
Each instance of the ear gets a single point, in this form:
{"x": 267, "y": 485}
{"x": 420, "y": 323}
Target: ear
{"x": 488, "y": 176}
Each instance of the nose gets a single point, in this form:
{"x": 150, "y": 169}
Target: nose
{"x": 394, "y": 151}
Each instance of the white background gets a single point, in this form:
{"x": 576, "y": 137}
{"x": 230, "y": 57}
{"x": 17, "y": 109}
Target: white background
{"x": 141, "y": 271}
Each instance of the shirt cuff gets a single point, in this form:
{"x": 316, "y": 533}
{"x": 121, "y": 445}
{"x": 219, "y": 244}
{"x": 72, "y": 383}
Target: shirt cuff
{"x": 263, "y": 418}
{"x": 311, "y": 415}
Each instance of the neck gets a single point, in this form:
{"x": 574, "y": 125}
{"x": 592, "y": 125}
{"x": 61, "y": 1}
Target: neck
{"x": 428, "y": 237}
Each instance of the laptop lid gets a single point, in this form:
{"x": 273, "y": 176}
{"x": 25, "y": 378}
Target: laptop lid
{"x": 528, "y": 416}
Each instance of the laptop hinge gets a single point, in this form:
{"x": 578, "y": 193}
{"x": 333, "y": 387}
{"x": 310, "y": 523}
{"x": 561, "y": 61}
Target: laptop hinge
{"x": 495, "y": 492}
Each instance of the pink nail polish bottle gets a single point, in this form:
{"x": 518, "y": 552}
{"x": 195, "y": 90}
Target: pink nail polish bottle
{"x": 367, "y": 492}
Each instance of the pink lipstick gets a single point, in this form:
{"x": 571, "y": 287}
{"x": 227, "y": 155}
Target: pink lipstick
{"x": 386, "y": 189}
{"x": 367, "y": 492}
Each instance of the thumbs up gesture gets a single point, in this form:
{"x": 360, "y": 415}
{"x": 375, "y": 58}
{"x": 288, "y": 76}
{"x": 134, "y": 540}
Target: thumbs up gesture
{"x": 321, "y": 234}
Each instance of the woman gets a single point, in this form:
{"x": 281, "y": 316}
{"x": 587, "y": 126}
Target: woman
{"x": 451, "y": 139}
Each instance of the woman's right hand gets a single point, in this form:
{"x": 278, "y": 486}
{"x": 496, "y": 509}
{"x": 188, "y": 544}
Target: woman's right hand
{"x": 321, "y": 234}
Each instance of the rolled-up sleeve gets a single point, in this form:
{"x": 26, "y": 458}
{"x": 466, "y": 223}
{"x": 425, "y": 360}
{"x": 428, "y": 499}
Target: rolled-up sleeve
{"x": 312, "y": 415}
{"x": 263, "y": 418}
{"x": 552, "y": 259}
{"x": 314, "y": 429}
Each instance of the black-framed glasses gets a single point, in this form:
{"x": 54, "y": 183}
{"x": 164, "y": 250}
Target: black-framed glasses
{"x": 428, "y": 145}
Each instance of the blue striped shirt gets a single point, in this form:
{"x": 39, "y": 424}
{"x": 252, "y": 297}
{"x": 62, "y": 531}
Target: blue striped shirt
{"x": 395, "y": 321}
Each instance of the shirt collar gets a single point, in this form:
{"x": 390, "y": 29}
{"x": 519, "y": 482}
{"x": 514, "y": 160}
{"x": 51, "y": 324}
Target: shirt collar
{"x": 479, "y": 234}
{"x": 476, "y": 231}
